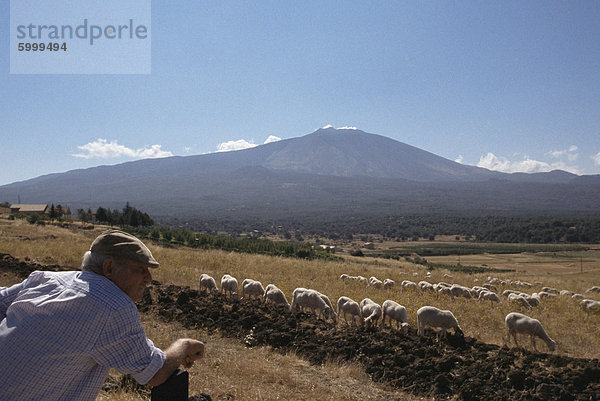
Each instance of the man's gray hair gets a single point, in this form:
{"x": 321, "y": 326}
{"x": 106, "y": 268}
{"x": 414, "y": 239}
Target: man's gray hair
{"x": 93, "y": 262}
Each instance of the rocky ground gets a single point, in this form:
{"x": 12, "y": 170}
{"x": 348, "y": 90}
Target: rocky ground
{"x": 457, "y": 367}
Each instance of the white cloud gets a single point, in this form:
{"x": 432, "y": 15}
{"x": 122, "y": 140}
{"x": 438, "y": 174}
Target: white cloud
{"x": 459, "y": 159}
{"x": 102, "y": 149}
{"x": 272, "y": 138}
{"x": 327, "y": 126}
{"x": 596, "y": 159}
{"x": 230, "y": 146}
{"x": 352, "y": 128}
{"x": 527, "y": 165}
{"x": 570, "y": 153}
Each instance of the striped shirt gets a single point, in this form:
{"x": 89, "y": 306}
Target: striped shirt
{"x": 60, "y": 333}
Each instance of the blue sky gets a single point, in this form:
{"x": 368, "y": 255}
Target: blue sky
{"x": 507, "y": 85}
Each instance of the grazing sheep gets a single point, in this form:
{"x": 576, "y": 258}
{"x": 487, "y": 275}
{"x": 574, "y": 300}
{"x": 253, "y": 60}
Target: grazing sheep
{"x": 446, "y": 275}
{"x": 565, "y": 293}
{"x": 577, "y": 296}
{"x": 519, "y": 299}
{"x": 371, "y": 310}
{"x": 328, "y": 302}
{"x": 305, "y": 298}
{"x": 544, "y": 294}
{"x": 590, "y": 305}
{"x": 229, "y": 285}
{"x": 434, "y": 317}
{"x": 407, "y": 284}
{"x": 425, "y": 286}
{"x": 490, "y": 287}
{"x": 207, "y": 284}
{"x": 252, "y": 288}
{"x": 344, "y": 276}
{"x": 461, "y": 291}
{"x": 276, "y": 296}
{"x": 363, "y": 280}
{"x": 593, "y": 289}
{"x": 550, "y": 290}
{"x": 519, "y": 323}
{"x": 388, "y": 283}
{"x": 375, "y": 282}
{"x": 396, "y": 312}
{"x": 347, "y": 306}
{"x": 489, "y": 295}
{"x": 444, "y": 290}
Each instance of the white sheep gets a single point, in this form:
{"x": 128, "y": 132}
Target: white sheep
{"x": 519, "y": 323}
{"x": 519, "y": 299}
{"x": 407, "y": 284}
{"x": 371, "y": 311}
{"x": 347, "y": 306}
{"x": 550, "y": 290}
{"x": 434, "y": 317}
{"x": 444, "y": 290}
{"x": 461, "y": 291}
{"x": 252, "y": 288}
{"x": 396, "y": 312}
{"x": 544, "y": 294}
{"x": 590, "y": 305}
{"x": 306, "y": 298}
{"x": 593, "y": 289}
{"x": 489, "y": 295}
{"x": 565, "y": 293}
{"x": 388, "y": 283}
{"x": 375, "y": 282}
{"x": 425, "y": 286}
{"x": 207, "y": 284}
{"x": 577, "y": 296}
{"x": 229, "y": 285}
{"x": 276, "y": 296}
{"x": 328, "y": 302}
{"x": 344, "y": 276}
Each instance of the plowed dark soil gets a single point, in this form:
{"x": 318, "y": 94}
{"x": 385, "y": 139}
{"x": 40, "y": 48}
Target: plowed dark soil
{"x": 458, "y": 368}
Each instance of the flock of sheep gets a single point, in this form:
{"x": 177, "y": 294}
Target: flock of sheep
{"x": 368, "y": 313}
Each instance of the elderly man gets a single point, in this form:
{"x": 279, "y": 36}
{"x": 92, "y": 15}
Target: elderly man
{"x": 60, "y": 333}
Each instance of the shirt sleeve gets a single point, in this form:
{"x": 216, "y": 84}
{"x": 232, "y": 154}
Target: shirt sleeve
{"x": 123, "y": 345}
{"x": 8, "y": 295}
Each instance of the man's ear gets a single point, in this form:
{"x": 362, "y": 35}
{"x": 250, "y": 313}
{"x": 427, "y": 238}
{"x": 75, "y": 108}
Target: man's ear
{"x": 108, "y": 267}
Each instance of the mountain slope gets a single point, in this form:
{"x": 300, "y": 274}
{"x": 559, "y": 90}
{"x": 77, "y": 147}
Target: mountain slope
{"x": 327, "y": 171}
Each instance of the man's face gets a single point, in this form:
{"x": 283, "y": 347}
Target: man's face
{"x": 131, "y": 277}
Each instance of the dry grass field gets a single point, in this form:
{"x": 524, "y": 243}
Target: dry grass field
{"x": 232, "y": 371}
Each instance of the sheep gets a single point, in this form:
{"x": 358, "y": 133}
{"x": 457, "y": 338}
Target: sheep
{"x": 577, "y": 296}
{"x": 544, "y": 294}
{"x": 520, "y": 300}
{"x": 363, "y": 280}
{"x": 446, "y": 275}
{"x": 490, "y": 287}
{"x": 347, "y": 306}
{"x": 229, "y": 284}
{"x": 305, "y": 298}
{"x": 550, "y": 290}
{"x": 425, "y": 286}
{"x": 328, "y": 302}
{"x": 375, "y": 282}
{"x": 371, "y": 310}
{"x": 207, "y": 284}
{"x": 590, "y": 305}
{"x": 565, "y": 293}
{"x": 434, "y": 317}
{"x": 396, "y": 312}
{"x": 252, "y": 288}
{"x": 489, "y": 295}
{"x": 593, "y": 289}
{"x": 444, "y": 290}
{"x": 407, "y": 284}
{"x": 388, "y": 283}
{"x": 461, "y": 291}
{"x": 519, "y": 323}
{"x": 344, "y": 276}
{"x": 276, "y": 296}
